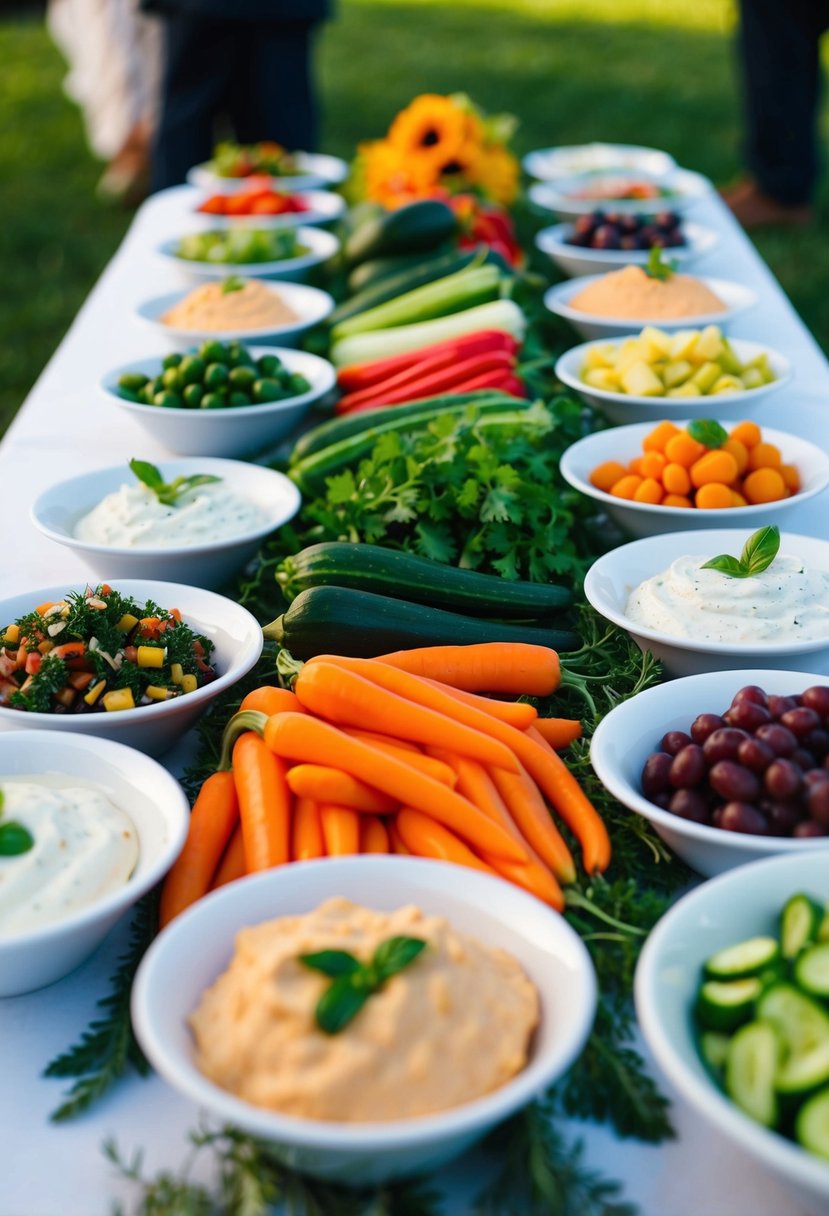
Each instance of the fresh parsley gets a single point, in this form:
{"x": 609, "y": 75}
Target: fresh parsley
{"x": 758, "y": 553}
{"x": 169, "y": 493}
{"x": 354, "y": 982}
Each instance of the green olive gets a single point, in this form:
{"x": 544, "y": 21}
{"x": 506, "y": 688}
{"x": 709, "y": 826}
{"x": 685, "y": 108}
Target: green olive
{"x": 267, "y": 390}
{"x": 170, "y": 361}
{"x": 192, "y": 369}
{"x": 213, "y": 401}
{"x": 242, "y": 377}
{"x": 169, "y": 401}
{"x": 128, "y": 394}
{"x": 193, "y": 394}
{"x": 239, "y": 398}
{"x": 215, "y": 352}
{"x": 172, "y": 379}
{"x": 269, "y": 365}
{"x": 298, "y": 385}
{"x": 134, "y": 381}
{"x": 216, "y": 375}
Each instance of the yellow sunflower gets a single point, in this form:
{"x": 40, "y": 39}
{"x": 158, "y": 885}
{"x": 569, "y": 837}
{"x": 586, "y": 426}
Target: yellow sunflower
{"x": 495, "y": 173}
{"x": 393, "y": 177}
{"x": 434, "y": 129}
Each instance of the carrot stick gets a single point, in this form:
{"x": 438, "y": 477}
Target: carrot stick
{"x": 425, "y": 837}
{"x": 271, "y": 700}
{"x": 324, "y": 784}
{"x": 374, "y": 736}
{"x": 232, "y": 864}
{"x": 426, "y": 764}
{"x": 340, "y": 829}
{"x": 519, "y": 714}
{"x": 512, "y": 667}
{"x": 558, "y": 732}
{"x": 572, "y": 804}
{"x": 374, "y": 837}
{"x": 342, "y": 696}
{"x": 212, "y": 820}
{"x": 307, "y": 841}
{"x": 264, "y": 801}
{"x": 301, "y": 737}
{"x": 530, "y": 813}
{"x": 396, "y": 840}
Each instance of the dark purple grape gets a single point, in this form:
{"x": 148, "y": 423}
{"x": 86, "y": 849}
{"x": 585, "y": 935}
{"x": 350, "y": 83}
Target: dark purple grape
{"x": 629, "y": 241}
{"x": 747, "y": 715}
{"x": 733, "y": 782}
{"x": 815, "y": 776}
{"x": 655, "y": 774}
{"x": 817, "y": 698}
{"x": 614, "y": 217}
{"x": 674, "y": 240}
{"x": 667, "y": 221}
{"x": 751, "y": 692}
{"x": 688, "y": 767}
{"x": 817, "y": 802}
{"x": 629, "y": 223}
{"x": 723, "y": 744}
{"x": 803, "y": 758}
{"x": 690, "y": 804}
{"x": 662, "y": 800}
{"x": 741, "y": 817}
{"x": 779, "y": 705}
{"x": 756, "y": 755}
{"x": 581, "y": 240}
{"x": 782, "y": 780}
{"x": 704, "y": 725}
{"x": 674, "y": 741}
{"x": 809, "y": 828}
{"x": 817, "y": 742}
{"x": 783, "y": 817}
{"x": 801, "y": 721}
{"x": 657, "y": 239}
{"x": 780, "y": 740}
{"x": 585, "y": 225}
{"x": 606, "y": 237}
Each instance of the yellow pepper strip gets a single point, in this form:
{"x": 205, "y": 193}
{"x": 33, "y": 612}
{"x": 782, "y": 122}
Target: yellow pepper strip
{"x": 95, "y": 691}
{"x": 126, "y": 623}
{"x": 176, "y": 673}
{"x": 118, "y": 698}
{"x": 156, "y": 693}
{"x": 189, "y": 684}
{"x": 12, "y": 634}
{"x": 151, "y": 656}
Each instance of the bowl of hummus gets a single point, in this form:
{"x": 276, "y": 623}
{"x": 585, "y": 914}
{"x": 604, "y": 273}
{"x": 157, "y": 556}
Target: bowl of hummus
{"x": 497, "y": 1004}
{"x": 236, "y": 309}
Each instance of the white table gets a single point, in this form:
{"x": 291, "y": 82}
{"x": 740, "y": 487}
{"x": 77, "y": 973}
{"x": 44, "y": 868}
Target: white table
{"x": 65, "y": 426}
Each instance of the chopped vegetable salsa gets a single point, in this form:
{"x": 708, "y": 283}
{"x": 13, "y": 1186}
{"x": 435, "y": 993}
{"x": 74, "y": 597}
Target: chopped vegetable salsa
{"x": 241, "y": 246}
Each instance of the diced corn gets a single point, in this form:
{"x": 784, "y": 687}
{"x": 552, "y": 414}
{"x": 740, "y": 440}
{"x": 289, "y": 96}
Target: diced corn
{"x": 176, "y": 673}
{"x": 126, "y": 623}
{"x": 118, "y": 698}
{"x": 156, "y": 693}
{"x": 95, "y": 691}
{"x": 12, "y": 634}
{"x": 151, "y": 656}
{"x": 189, "y": 684}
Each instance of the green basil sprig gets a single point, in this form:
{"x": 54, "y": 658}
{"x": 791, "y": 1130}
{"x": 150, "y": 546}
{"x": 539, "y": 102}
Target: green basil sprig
{"x": 708, "y": 432}
{"x": 232, "y": 283}
{"x": 168, "y": 493}
{"x": 14, "y": 838}
{"x": 658, "y": 266}
{"x": 354, "y": 982}
{"x": 758, "y": 553}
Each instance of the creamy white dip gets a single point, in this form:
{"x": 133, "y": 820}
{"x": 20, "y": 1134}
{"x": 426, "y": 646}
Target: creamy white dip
{"x": 133, "y": 518}
{"x": 786, "y": 603}
{"x": 84, "y": 848}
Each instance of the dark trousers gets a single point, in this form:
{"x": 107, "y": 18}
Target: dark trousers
{"x": 780, "y": 71}
{"x": 253, "y": 75}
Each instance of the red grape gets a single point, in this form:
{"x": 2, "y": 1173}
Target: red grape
{"x": 817, "y": 698}
{"x": 704, "y": 725}
{"x": 723, "y": 744}
{"x": 688, "y": 767}
{"x": 655, "y": 774}
{"x": 674, "y": 741}
{"x": 780, "y": 740}
{"x": 742, "y": 817}
{"x": 782, "y": 779}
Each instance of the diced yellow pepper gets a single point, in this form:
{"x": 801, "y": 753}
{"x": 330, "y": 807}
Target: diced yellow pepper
{"x": 156, "y": 693}
{"x": 45, "y": 646}
{"x": 12, "y": 634}
{"x": 706, "y": 377}
{"x": 602, "y": 377}
{"x": 118, "y": 698}
{"x": 676, "y": 372}
{"x": 683, "y": 343}
{"x": 640, "y": 380}
{"x": 599, "y": 356}
{"x": 127, "y": 622}
{"x": 94, "y": 692}
{"x": 709, "y": 344}
{"x": 728, "y": 384}
{"x": 176, "y": 673}
{"x": 752, "y": 377}
{"x": 151, "y": 656}
{"x": 688, "y": 389}
{"x": 189, "y": 684}
{"x": 659, "y": 343}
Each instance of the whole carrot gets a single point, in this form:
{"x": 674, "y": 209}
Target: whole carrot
{"x": 323, "y": 784}
{"x": 558, "y": 732}
{"x": 264, "y": 801}
{"x": 424, "y": 837}
{"x": 271, "y": 700}
{"x": 426, "y": 764}
{"x": 215, "y": 814}
{"x": 527, "y": 808}
{"x": 232, "y": 864}
{"x": 340, "y": 829}
{"x": 519, "y": 714}
{"x": 511, "y": 667}
{"x": 374, "y": 837}
{"x": 307, "y": 840}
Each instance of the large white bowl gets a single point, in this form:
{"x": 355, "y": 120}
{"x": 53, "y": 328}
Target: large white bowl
{"x": 315, "y": 169}
{"x": 154, "y": 729}
{"x": 576, "y": 260}
{"x": 624, "y": 443}
{"x": 135, "y": 784}
{"x": 558, "y": 196}
{"x": 309, "y": 303}
{"x": 633, "y": 730}
{"x": 734, "y": 296}
{"x": 548, "y": 164}
{"x": 207, "y": 564}
{"x": 613, "y": 577}
{"x": 324, "y": 207}
{"x": 624, "y": 407}
{"x": 739, "y": 905}
{"x": 237, "y": 430}
{"x": 320, "y": 246}
{"x": 197, "y": 947}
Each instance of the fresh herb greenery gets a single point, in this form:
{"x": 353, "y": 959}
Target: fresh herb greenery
{"x": 354, "y": 982}
{"x": 658, "y": 266}
{"x": 708, "y": 432}
{"x": 169, "y": 492}
{"x": 758, "y": 553}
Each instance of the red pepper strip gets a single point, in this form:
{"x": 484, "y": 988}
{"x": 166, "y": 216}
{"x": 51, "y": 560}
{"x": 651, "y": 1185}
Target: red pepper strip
{"x": 433, "y": 380}
{"x": 358, "y": 376}
{"x": 414, "y": 374}
{"x": 497, "y": 380}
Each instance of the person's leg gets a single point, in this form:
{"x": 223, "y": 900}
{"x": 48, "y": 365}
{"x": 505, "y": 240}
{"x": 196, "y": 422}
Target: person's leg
{"x": 272, "y": 96}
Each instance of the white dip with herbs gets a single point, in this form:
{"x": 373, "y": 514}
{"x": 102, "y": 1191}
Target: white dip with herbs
{"x": 134, "y": 518}
{"x": 84, "y": 847}
{"x": 785, "y": 603}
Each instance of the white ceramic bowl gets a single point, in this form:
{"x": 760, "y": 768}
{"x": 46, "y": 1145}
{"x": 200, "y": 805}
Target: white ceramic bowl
{"x": 195, "y": 949}
{"x": 320, "y": 246}
{"x": 547, "y": 164}
{"x": 633, "y": 730}
{"x": 154, "y": 729}
{"x": 324, "y": 207}
{"x": 237, "y": 430}
{"x": 624, "y": 443}
{"x": 576, "y": 260}
{"x": 734, "y": 296}
{"x": 614, "y": 576}
{"x": 559, "y": 196}
{"x": 729, "y": 909}
{"x": 207, "y": 564}
{"x": 314, "y": 170}
{"x": 309, "y": 303}
{"x": 151, "y": 797}
{"x": 624, "y": 407}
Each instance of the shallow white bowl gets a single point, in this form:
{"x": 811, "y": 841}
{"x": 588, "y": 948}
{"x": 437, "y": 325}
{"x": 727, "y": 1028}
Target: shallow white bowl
{"x": 576, "y": 260}
{"x": 154, "y": 729}
{"x": 613, "y": 577}
{"x": 237, "y": 430}
{"x": 633, "y": 730}
{"x": 729, "y": 909}
{"x": 196, "y": 948}
{"x": 547, "y": 164}
{"x": 624, "y": 443}
{"x": 321, "y": 246}
{"x": 154, "y": 801}
{"x": 324, "y": 207}
{"x": 315, "y": 169}
{"x": 734, "y": 296}
{"x": 558, "y": 196}
{"x": 207, "y": 564}
{"x": 309, "y": 303}
{"x": 623, "y": 407}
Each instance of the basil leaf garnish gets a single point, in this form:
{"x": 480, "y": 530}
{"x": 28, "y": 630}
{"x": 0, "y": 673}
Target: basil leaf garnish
{"x": 14, "y": 839}
{"x": 758, "y": 553}
{"x": 707, "y": 432}
{"x": 168, "y": 493}
{"x": 354, "y": 982}
{"x": 333, "y": 963}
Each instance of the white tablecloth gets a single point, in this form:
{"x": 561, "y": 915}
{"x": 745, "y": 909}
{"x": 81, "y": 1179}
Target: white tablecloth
{"x": 66, "y": 426}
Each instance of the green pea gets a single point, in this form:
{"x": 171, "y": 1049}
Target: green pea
{"x": 215, "y": 352}
{"x": 193, "y": 394}
{"x": 242, "y": 377}
{"x": 239, "y": 398}
{"x": 269, "y": 365}
{"x": 170, "y": 361}
{"x": 133, "y": 381}
{"x": 169, "y": 401}
{"x": 213, "y": 401}
{"x": 216, "y": 375}
{"x": 192, "y": 369}
{"x": 266, "y": 390}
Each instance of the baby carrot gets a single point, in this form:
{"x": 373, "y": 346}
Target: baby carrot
{"x": 374, "y": 837}
{"x": 519, "y": 714}
{"x": 271, "y": 700}
{"x": 396, "y": 840}
{"x": 512, "y": 667}
{"x": 307, "y": 840}
{"x": 534, "y": 821}
{"x": 264, "y": 801}
{"x": 426, "y": 838}
{"x": 559, "y": 732}
{"x": 323, "y": 784}
{"x": 215, "y": 814}
{"x": 232, "y": 864}
{"x": 340, "y": 829}
{"x": 572, "y": 804}
{"x": 426, "y": 764}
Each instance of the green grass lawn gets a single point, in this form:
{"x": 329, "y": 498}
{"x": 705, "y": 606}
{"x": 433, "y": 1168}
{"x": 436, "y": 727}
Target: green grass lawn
{"x": 639, "y": 71}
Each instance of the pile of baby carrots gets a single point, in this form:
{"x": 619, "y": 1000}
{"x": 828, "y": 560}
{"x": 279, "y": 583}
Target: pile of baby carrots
{"x": 398, "y": 754}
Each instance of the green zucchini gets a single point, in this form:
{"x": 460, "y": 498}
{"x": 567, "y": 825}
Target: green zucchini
{"x": 466, "y": 288}
{"x": 425, "y": 224}
{"x": 367, "y": 274}
{"x": 337, "y": 620}
{"x": 726, "y": 1004}
{"x": 418, "y": 580}
{"x": 422, "y": 272}
{"x": 799, "y": 924}
{"x": 746, "y": 958}
{"x": 750, "y": 1071}
{"x": 812, "y": 1124}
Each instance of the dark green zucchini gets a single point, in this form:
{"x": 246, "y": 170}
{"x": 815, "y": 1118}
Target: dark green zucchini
{"x": 366, "y": 274}
{"x": 418, "y": 580}
{"x": 421, "y": 225}
{"x": 337, "y": 620}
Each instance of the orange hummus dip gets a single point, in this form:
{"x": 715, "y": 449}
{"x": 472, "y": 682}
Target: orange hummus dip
{"x": 632, "y": 294}
{"x": 212, "y": 309}
{"x": 453, "y": 1026}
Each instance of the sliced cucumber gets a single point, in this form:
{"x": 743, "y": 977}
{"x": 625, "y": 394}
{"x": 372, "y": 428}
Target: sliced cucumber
{"x": 746, "y": 958}
{"x": 750, "y": 1070}
{"x": 804, "y": 1071}
{"x": 799, "y": 924}
{"x": 812, "y": 1124}
{"x": 811, "y": 971}
{"x": 823, "y": 930}
{"x": 714, "y": 1049}
{"x": 800, "y": 1021}
{"x": 725, "y": 1005}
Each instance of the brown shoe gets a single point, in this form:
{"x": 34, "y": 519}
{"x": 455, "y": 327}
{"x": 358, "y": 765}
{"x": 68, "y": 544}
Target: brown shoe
{"x": 753, "y": 208}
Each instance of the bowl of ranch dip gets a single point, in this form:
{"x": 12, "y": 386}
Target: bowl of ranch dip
{"x": 203, "y": 532}
{"x": 697, "y": 619}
